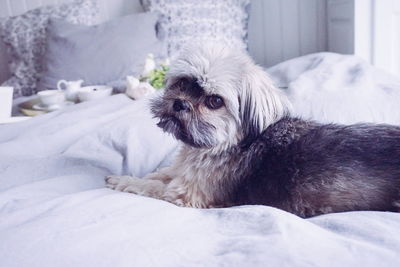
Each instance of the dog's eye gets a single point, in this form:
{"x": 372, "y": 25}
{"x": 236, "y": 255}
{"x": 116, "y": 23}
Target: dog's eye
{"x": 214, "y": 101}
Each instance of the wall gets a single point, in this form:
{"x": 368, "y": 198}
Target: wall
{"x": 340, "y": 23}
{"x": 284, "y": 29}
{"x": 369, "y": 29}
{"x": 385, "y": 50}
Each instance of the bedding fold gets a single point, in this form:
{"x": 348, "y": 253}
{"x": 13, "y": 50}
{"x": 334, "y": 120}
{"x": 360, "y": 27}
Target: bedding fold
{"x": 56, "y": 211}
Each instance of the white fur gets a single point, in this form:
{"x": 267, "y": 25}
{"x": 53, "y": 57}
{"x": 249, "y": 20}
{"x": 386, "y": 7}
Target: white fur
{"x": 251, "y": 103}
{"x": 233, "y": 74}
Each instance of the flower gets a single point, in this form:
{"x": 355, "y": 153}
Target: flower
{"x": 157, "y": 77}
{"x": 149, "y": 65}
{"x": 154, "y": 73}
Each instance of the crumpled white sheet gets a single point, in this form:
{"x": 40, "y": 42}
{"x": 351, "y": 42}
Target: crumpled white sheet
{"x": 55, "y": 211}
{"x": 331, "y": 87}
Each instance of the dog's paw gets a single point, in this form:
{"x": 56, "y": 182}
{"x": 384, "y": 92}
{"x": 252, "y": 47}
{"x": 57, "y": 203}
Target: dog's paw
{"x": 143, "y": 187}
{"x": 119, "y": 183}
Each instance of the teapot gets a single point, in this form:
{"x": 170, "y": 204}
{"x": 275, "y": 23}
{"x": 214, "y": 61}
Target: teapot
{"x": 71, "y": 89}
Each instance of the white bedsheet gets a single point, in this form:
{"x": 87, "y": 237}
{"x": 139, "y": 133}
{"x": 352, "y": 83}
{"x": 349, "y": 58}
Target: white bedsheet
{"x": 55, "y": 211}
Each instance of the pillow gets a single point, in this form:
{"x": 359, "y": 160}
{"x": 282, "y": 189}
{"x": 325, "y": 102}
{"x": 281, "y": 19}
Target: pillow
{"x": 334, "y": 88}
{"x": 25, "y": 37}
{"x": 186, "y": 21}
{"x": 101, "y": 54}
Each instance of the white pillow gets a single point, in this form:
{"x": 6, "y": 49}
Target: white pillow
{"x": 338, "y": 88}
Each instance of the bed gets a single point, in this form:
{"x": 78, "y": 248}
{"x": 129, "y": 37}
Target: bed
{"x": 55, "y": 210}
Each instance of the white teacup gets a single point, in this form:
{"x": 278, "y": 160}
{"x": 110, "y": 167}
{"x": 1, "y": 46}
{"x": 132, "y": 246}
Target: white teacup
{"x": 6, "y": 100}
{"x": 51, "y": 97}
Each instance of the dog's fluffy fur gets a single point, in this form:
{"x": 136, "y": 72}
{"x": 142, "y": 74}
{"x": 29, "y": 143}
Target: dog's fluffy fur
{"x": 250, "y": 151}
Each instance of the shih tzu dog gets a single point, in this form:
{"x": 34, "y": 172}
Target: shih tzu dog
{"x": 241, "y": 146}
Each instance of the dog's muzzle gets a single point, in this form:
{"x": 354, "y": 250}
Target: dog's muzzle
{"x": 181, "y": 105}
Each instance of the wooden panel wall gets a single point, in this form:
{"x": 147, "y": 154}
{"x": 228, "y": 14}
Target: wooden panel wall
{"x": 341, "y": 21}
{"x": 284, "y": 29}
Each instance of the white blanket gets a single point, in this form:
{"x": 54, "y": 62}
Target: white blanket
{"x": 55, "y": 211}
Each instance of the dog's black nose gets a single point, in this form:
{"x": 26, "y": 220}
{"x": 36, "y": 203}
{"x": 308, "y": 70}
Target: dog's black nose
{"x": 181, "y": 105}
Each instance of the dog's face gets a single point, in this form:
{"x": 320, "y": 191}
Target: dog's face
{"x": 194, "y": 113}
{"x": 216, "y": 97}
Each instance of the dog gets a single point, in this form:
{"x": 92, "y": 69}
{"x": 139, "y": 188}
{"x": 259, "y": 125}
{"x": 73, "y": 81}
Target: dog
{"x": 241, "y": 146}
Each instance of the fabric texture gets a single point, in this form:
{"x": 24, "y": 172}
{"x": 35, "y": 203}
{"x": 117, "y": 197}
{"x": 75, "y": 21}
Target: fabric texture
{"x": 330, "y": 87}
{"x": 25, "y": 38}
{"x": 56, "y": 211}
{"x": 186, "y": 21}
{"x": 100, "y": 54}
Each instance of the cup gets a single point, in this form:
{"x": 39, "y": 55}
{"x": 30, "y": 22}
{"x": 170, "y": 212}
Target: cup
{"x": 6, "y": 100}
{"x": 51, "y": 97}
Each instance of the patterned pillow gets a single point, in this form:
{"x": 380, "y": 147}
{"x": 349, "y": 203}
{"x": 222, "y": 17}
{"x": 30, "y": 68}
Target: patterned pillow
{"x": 25, "y": 37}
{"x": 185, "y": 21}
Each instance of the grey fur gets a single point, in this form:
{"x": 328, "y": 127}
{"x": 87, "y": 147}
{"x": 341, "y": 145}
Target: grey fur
{"x": 308, "y": 168}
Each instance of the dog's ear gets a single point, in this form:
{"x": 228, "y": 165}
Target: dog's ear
{"x": 261, "y": 103}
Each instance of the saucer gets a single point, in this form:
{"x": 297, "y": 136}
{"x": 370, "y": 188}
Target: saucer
{"x": 87, "y": 93}
{"x": 42, "y": 107}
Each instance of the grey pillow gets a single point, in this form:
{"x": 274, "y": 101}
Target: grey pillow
{"x": 25, "y": 38}
{"x": 101, "y": 54}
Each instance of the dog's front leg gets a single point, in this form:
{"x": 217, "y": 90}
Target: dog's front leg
{"x": 152, "y": 185}
{"x": 163, "y": 186}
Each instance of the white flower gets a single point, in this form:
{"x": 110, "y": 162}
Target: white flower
{"x": 136, "y": 89}
{"x": 149, "y": 65}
